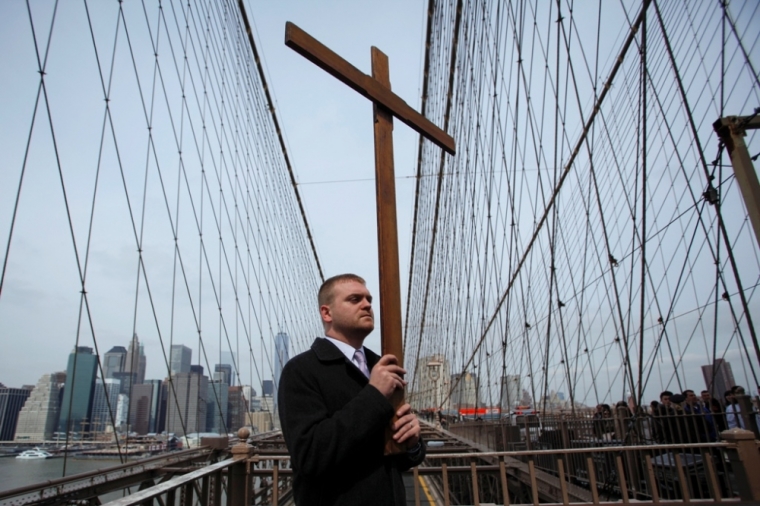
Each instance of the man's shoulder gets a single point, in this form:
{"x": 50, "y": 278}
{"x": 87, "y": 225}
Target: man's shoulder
{"x": 321, "y": 350}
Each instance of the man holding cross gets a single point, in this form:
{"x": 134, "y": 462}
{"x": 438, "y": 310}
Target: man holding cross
{"x": 334, "y": 402}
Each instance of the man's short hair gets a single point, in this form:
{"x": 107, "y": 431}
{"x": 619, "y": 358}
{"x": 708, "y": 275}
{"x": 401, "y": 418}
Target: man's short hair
{"x": 325, "y": 296}
{"x": 704, "y": 392}
{"x": 666, "y": 392}
{"x": 687, "y": 392}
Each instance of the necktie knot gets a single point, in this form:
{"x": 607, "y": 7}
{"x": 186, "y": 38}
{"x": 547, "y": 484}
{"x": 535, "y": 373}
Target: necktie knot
{"x": 361, "y": 362}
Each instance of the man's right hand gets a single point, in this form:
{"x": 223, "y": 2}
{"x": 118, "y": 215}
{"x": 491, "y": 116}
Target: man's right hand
{"x": 387, "y": 375}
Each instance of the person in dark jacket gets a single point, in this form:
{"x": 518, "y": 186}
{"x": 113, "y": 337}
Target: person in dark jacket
{"x": 334, "y": 409}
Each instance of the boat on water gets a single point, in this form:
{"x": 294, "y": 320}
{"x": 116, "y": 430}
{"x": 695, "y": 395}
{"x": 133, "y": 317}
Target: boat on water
{"x": 34, "y": 454}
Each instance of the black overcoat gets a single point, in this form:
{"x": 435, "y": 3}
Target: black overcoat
{"x": 334, "y": 425}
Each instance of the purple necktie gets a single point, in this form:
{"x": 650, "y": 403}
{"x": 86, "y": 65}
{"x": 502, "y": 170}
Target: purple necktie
{"x": 361, "y": 362}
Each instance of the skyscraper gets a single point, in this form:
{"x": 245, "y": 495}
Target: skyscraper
{"x": 145, "y": 407}
{"x": 216, "y": 410}
{"x": 230, "y": 358}
{"x": 114, "y": 361}
{"x": 11, "y": 402}
{"x": 223, "y": 372}
{"x": 719, "y": 378}
{"x": 186, "y": 402}
{"x": 38, "y": 418}
{"x": 76, "y": 407}
{"x": 236, "y": 408}
{"x": 104, "y": 403}
{"x": 135, "y": 360}
{"x": 180, "y": 359}
{"x": 281, "y": 357}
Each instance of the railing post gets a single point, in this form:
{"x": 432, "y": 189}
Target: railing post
{"x": 744, "y": 457}
{"x": 238, "y": 481}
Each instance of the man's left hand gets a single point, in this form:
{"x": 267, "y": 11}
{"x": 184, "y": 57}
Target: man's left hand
{"x": 407, "y": 427}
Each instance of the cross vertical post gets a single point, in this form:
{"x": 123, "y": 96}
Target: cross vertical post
{"x": 386, "y": 105}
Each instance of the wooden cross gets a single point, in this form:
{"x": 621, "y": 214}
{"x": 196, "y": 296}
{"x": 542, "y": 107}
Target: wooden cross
{"x": 386, "y": 105}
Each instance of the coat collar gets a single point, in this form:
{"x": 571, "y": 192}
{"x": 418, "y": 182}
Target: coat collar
{"x": 328, "y": 352}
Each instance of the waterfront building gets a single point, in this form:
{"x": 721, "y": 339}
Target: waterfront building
{"x": 216, "y": 407}
{"x": 76, "y": 407}
{"x": 180, "y": 358}
{"x": 114, "y": 361}
{"x": 186, "y": 402}
{"x": 236, "y": 408}
{"x": 260, "y": 421}
{"x": 145, "y": 407}
{"x": 38, "y": 418}
{"x": 122, "y": 412}
{"x": 267, "y": 388}
{"x": 135, "y": 361}
{"x": 104, "y": 403}
{"x": 11, "y": 402}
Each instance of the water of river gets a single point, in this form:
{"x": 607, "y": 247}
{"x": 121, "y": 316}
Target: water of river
{"x": 15, "y": 473}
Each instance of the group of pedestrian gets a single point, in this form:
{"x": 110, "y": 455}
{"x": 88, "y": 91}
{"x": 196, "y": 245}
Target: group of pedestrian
{"x": 687, "y": 418}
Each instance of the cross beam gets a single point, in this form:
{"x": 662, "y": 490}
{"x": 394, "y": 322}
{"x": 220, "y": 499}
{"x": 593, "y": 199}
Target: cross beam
{"x": 386, "y": 105}
{"x": 323, "y": 57}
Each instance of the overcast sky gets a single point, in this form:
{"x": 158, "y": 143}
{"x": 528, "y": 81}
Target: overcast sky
{"x": 327, "y": 126}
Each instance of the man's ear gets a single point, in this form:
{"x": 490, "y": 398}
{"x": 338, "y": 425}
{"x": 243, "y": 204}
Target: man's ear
{"x": 324, "y": 312}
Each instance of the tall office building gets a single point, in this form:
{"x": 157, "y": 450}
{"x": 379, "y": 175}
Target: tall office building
{"x": 126, "y": 380}
{"x": 135, "y": 360}
{"x": 76, "y": 407}
{"x": 186, "y": 402}
{"x": 180, "y": 358}
{"x": 104, "y": 403}
{"x": 236, "y": 408}
{"x": 511, "y": 391}
{"x": 719, "y": 378}
{"x": 216, "y": 410}
{"x": 223, "y": 372}
{"x": 113, "y": 361}
{"x": 145, "y": 407}
{"x": 38, "y": 419}
{"x": 281, "y": 356}
{"x": 230, "y": 358}
{"x": 11, "y": 402}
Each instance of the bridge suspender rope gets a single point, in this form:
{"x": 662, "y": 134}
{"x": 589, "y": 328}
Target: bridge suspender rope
{"x": 565, "y": 172}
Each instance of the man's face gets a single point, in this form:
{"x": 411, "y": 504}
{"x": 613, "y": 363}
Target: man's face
{"x": 350, "y": 312}
{"x": 706, "y": 397}
{"x": 691, "y": 398}
{"x": 665, "y": 399}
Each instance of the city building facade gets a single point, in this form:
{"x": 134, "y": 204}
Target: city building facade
{"x": 180, "y": 358}
{"x": 186, "y": 402}
{"x": 76, "y": 407}
{"x": 12, "y": 400}
{"x": 38, "y": 418}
